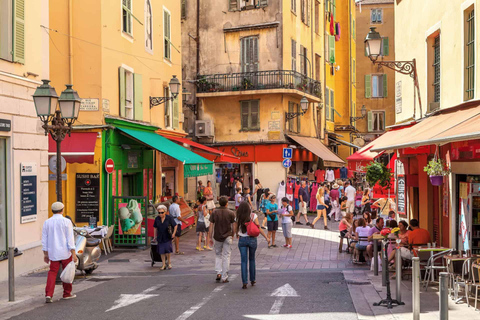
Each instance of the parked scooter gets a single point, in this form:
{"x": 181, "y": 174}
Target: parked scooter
{"x": 87, "y": 250}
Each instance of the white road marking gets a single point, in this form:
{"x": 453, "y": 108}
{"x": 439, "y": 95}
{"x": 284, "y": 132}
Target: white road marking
{"x": 128, "y": 299}
{"x": 281, "y": 293}
{"x": 187, "y": 314}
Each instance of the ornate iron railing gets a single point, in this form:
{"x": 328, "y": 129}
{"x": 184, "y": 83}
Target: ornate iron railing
{"x": 259, "y": 80}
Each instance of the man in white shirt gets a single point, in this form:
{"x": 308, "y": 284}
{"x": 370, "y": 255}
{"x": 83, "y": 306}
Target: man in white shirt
{"x": 58, "y": 247}
{"x": 350, "y": 192}
{"x": 174, "y": 211}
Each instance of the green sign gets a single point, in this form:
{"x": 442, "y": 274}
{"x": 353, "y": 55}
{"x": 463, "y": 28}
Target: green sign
{"x": 196, "y": 170}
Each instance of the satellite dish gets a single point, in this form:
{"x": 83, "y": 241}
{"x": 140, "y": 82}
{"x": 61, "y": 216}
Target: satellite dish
{"x": 359, "y": 142}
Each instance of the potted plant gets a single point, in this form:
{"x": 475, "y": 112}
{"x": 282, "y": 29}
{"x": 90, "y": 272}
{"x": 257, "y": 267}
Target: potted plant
{"x": 436, "y": 169}
{"x": 378, "y": 173}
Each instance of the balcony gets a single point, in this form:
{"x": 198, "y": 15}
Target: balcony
{"x": 259, "y": 82}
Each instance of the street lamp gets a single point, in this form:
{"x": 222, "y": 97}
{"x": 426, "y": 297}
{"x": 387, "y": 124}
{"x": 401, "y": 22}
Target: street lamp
{"x": 373, "y": 47}
{"x": 57, "y": 122}
{"x": 363, "y": 112}
{"x": 174, "y": 85}
{"x": 192, "y": 107}
{"x": 303, "y": 104}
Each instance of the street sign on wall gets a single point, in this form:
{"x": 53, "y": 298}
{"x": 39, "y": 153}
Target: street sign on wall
{"x": 109, "y": 165}
{"x": 287, "y": 153}
{"x": 28, "y": 192}
{"x": 287, "y": 163}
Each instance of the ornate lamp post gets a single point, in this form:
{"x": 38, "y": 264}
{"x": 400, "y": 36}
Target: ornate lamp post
{"x": 57, "y": 122}
{"x": 303, "y": 104}
{"x": 363, "y": 112}
{"x": 192, "y": 107}
{"x": 174, "y": 85}
{"x": 373, "y": 46}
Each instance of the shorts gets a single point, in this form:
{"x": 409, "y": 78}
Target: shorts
{"x": 272, "y": 225}
{"x": 287, "y": 230}
{"x": 210, "y": 205}
{"x": 321, "y": 207}
{"x": 201, "y": 227}
{"x": 350, "y": 206}
{"x": 303, "y": 207}
{"x": 343, "y": 233}
{"x": 360, "y": 247}
{"x": 405, "y": 253}
{"x": 179, "y": 230}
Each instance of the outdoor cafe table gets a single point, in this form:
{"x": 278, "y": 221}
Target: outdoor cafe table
{"x": 98, "y": 232}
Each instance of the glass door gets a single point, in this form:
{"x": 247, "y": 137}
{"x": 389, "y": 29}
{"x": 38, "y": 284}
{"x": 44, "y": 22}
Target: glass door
{"x": 3, "y": 196}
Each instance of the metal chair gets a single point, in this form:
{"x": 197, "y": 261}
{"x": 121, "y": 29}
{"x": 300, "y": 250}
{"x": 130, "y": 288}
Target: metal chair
{"x": 475, "y": 271}
{"x": 432, "y": 266}
{"x": 107, "y": 246}
{"x": 463, "y": 281}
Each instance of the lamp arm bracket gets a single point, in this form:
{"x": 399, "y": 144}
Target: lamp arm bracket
{"x": 404, "y": 67}
{"x": 155, "y": 101}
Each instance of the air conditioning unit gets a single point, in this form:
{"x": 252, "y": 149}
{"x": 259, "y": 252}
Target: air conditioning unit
{"x": 204, "y": 128}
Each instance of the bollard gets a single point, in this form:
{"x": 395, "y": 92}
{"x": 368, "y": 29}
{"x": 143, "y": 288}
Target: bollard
{"x": 416, "y": 288}
{"x": 398, "y": 276}
{"x": 443, "y": 299}
{"x": 375, "y": 254}
{"x": 384, "y": 267}
{"x": 11, "y": 274}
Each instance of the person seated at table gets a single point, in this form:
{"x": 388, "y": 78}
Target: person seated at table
{"x": 375, "y": 230}
{"x": 391, "y": 224}
{"x": 361, "y": 231}
{"x": 416, "y": 237}
{"x": 351, "y": 235}
{"x": 403, "y": 236}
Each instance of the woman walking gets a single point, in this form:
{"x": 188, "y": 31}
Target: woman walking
{"x": 287, "y": 213}
{"x": 321, "y": 208}
{"x": 202, "y": 228}
{"x": 272, "y": 217}
{"x": 258, "y": 191}
{"x": 208, "y": 194}
{"x": 366, "y": 201}
{"x": 247, "y": 244}
{"x": 165, "y": 230}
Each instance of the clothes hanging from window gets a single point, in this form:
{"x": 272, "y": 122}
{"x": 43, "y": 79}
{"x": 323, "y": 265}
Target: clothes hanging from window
{"x": 337, "y": 31}
{"x": 332, "y": 25}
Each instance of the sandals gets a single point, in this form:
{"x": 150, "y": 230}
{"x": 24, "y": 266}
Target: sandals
{"x": 163, "y": 267}
{"x": 208, "y": 249}
{"x": 169, "y": 267}
{"x": 219, "y": 277}
{"x": 179, "y": 253}
{"x": 198, "y": 249}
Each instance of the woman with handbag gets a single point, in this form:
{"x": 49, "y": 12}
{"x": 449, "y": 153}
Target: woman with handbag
{"x": 248, "y": 229}
{"x": 208, "y": 194}
{"x": 164, "y": 232}
{"x": 202, "y": 221}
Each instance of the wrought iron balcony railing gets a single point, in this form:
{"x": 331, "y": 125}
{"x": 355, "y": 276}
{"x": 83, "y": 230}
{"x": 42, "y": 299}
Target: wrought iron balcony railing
{"x": 259, "y": 80}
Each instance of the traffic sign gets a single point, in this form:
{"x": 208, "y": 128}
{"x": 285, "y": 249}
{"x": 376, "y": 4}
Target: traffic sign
{"x": 287, "y": 153}
{"x": 287, "y": 163}
{"x": 52, "y": 164}
{"x": 109, "y": 165}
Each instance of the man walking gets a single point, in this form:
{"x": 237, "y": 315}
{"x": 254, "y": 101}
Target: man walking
{"x": 175, "y": 213}
{"x": 58, "y": 248}
{"x": 222, "y": 227}
{"x": 302, "y": 201}
{"x": 350, "y": 192}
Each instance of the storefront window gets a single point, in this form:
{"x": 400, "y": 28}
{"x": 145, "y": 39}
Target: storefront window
{"x": 3, "y": 198}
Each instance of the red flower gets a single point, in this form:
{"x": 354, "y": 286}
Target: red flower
{"x": 385, "y": 231}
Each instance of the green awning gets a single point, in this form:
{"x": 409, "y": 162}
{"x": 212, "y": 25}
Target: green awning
{"x": 194, "y": 165}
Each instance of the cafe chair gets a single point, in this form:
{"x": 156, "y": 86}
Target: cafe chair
{"x": 463, "y": 281}
{"x": 475, "y": 281}
{"x": 435, "y": 263}
{"x": 106, "y": 244}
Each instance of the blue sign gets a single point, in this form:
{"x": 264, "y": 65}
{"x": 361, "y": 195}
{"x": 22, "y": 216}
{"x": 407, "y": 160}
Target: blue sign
{"x": 287, "y": 153}
{"x": 287, "y": 163}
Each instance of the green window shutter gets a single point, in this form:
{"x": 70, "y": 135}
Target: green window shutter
{"x": 327, "y": 103}
{"x": 290, "y": 121}
{"x": 370, "y": 121}
{"x": 332, "y": 105}
{"x": 232, "y": 6}
{"x": 122, "y": 91}
{"x": 353, "y": 29}
{"x": 334, "y": 3}
{"x": 244, "y": 110}
{"x": 385, "y": 46}
{"x": 331, "y": 48}
{"x": 254, "y": 114}
{"x": 262, "y": 3}
{"x": 368, "y": 86}
{"x": 166, "y": 30}
{"x": 176, "y": 123}
{"x": 137, "y": 96}
{"x": 19, "y": 31}
{"x": 184, "y": 9}
{"x": 385, "y": 86}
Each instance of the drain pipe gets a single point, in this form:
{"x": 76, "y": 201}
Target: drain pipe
{"x": 197, "y": 101}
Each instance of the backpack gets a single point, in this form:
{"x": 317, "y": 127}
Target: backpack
{"x": 252, "y": 228}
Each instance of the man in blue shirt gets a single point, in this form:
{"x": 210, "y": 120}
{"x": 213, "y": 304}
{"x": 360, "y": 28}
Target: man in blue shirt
{"x": 303, "y": 198}
{"x": 175, "y": 213}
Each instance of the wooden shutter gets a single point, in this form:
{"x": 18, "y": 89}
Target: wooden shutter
{"x": 254, "y": 44}
{"x": 262, "y": 3}
{"x": 137, "y": 96}
{"x": 19, "y": 31}
{"x": 166, "y": 30}
{"x": 302, "y": 10}
{"x": 309, "y": 11}
{"x": 331, "y": 49}
{"x": 184, "y": 9}
{"x": 327, "y": 103}
{"x": 302, "y": 60}
{"x": 370, "y": 121}
{"x": 175, "y": 117}
{"x": 368, "y": 86}
{"x": 122, "y": 91}
{"x": 294, "y": 55}
{"x": 385, "y": 86}
{"x": 254, "y": 115}
{"x": 305, "y": 62}
{"x": 385, "y": 50}
{"x": 353, "y": 28}
{"x": 233, "y": 5}
{"x": 299, "y": 119}
{"x": 373, "y": 15}
{"x": 334, "y": 5}
{"x": 290, "y": 121}
{"x": 332, "y": 105}
{"x": 244, "y": 108}
{"x": 379, "y": 15}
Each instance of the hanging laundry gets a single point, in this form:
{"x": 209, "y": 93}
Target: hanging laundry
{"x": 337, "y": 31}
{"x": 332, "y": 26}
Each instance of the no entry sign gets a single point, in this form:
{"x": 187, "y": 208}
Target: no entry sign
{"x": 109, "y": 165}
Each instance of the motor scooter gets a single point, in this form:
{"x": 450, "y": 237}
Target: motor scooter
{"x": 87, "y": 250}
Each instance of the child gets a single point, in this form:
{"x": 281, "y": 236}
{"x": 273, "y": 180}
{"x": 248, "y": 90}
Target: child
{"x": 286, "y": 213}
{"x": 238, "y": 198}
{"x": 264, "y": 201}
{"x": 345, "y": 225}
{"x": 343, "y": 206}
{"x": 247, "y": 197}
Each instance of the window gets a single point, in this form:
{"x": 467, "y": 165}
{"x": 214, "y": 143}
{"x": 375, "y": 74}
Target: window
{"x": 353, "y": 29}
{"x": 184, "y": 9}
{"x": 293, "y": 6}
{"x": 167, "y": 51}
{"x": 376, "y": 121}
{"x": 168, "y": 108}
{"x": 306, "y": 8}
{"x": 249, "y": 54}
{"x": 331, "y": 7}
{"x": 294, "y": 124}
{"x": 148, "y": 27}
{"x": 327, "y": 104}
{"x": 131, "y": 94}
{"x": 331, "y": 49}
{"x": 332, "y": 106}
{"x": 294, "y": 55}
{"x": 317, "y": 17}
{"x": 376, "y": 15}
{"x": 469, "y": 52}
{"x": 12, "y": 30}
{"x": 303, "y": 60}
{"x": 250, "y": 115}
{"x": 436, "y": 69}
{"x": 233, "y": 5}
{"x": 127, "y": 19}
{"x": 376, "y": 86}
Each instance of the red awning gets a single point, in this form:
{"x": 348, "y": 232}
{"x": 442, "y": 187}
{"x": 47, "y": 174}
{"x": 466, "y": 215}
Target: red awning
{"x": 79, "y": 147}
{"x": 364, "y": 154}
{"x": 220, "y": 157}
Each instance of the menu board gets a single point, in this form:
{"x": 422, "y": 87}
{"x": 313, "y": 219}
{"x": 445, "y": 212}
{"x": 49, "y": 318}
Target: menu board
{"x": 28, "y": 192}
{"x": 401, "y": 194}
{"x": 87, "y": 196}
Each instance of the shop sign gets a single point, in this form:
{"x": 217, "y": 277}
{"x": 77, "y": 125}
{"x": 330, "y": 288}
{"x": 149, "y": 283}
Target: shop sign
{"x": 87, "y": 196}
{"x": 196, "y": 170}
{"x": 464, "y": 227}
{"x": 145, "y": 182}
{"x": 5, "y": 125}
{"x": 89, "y": 105}
{"x": 401, "y": 194}
{"x": 237, "y": 153}
{"x": 446, "y": 196}
{"x": 28, "y": 192}
{"x": 106, "y": 105}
